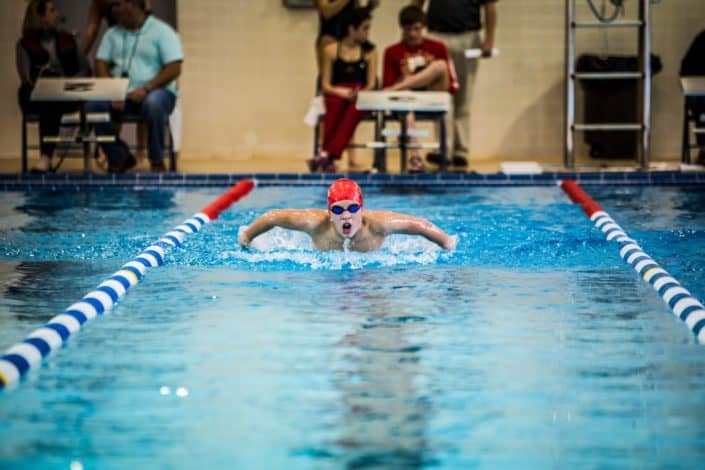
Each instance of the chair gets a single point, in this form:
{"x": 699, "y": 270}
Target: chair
{"x": 690, "y": 126}
{"x": 72, "y": 120}
{"x": 170, "y": 147}
{"x": 27, "y": 118}
{"x": 439, "y": 119}
{"x": 67, "y": 121}
{"x": 693, "y": 87}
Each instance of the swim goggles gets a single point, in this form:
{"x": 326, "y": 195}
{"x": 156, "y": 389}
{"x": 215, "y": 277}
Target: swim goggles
{"x": 352, "y": 208}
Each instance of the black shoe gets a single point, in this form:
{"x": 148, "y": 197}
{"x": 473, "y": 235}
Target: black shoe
{"x": 434, "y": 157}
{"x": 157, "y": 167}
{"x": 124, "y": 165}
{"x": 459, "y": 160}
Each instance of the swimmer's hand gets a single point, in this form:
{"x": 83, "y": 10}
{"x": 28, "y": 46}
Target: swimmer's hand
{"x": 450, "y": 243}
{"x": 243, "y": 239}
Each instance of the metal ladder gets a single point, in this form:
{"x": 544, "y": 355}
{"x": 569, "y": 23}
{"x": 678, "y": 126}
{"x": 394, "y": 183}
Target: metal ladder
{"x": 644, "y": 26}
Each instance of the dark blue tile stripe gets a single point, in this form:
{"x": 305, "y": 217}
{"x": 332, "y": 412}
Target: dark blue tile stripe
{"x": 13, "y": 182}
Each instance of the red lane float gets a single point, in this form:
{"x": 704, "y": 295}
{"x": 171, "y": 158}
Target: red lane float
{"x": 229, "y": 197}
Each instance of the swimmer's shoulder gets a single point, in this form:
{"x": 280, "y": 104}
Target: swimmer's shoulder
{"x": 378, "y": 221}
{"x": 316, "y": 219}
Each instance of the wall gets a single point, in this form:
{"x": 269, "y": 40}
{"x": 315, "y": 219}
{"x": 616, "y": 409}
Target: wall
{"x": 250, "y": 71}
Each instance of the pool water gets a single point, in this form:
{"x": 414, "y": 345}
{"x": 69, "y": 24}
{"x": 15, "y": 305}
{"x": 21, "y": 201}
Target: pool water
{"x": 533, "y": 345}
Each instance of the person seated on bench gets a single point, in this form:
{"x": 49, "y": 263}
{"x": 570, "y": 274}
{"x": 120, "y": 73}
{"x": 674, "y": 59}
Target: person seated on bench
{"x": 148, "y": 51}
{"x": 417, "y": 63}
{"x": 349, "y": 65}
{"x": 44, "y": 51}
{"x": 693, "y": 64}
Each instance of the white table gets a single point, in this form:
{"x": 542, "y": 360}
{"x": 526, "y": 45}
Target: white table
{"x": 404, "y": 102}
{"x": 80, "y": 90}
{"x": 693, "y": 86}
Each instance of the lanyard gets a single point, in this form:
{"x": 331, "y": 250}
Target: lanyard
{"x": 126, "y": 70}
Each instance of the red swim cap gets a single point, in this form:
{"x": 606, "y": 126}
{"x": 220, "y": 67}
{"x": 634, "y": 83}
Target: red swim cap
{"x": 344, "y": 189}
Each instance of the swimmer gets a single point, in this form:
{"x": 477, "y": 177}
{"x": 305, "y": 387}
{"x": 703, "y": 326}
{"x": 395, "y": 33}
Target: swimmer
{"x": 346, "y": 221}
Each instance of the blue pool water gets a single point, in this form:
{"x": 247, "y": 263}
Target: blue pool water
{"x": 532, "y": 346}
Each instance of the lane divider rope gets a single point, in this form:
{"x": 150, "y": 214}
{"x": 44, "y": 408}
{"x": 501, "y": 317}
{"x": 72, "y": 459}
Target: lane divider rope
{"x": 28, "y": 353}
{"x": 678, "y": 298}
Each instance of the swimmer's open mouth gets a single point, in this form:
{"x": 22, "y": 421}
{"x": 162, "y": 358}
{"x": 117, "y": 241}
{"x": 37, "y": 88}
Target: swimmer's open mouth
{"x": 346, "y": 227}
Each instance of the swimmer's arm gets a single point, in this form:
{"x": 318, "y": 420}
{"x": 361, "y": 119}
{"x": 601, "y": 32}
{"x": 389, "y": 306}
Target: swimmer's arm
{"x": 410, "y": 225}
{"x": 292, "y": 219}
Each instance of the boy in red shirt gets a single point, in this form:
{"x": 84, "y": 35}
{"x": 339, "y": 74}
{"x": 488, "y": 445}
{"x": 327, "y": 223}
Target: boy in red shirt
{"x": 417, "y": 63}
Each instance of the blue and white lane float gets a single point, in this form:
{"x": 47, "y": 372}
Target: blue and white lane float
{"x": 678, "y": 298}
{"x": 28, "y": 353}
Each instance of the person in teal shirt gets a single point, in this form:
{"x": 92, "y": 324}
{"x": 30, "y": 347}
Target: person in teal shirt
{"x": 147, "y": 51}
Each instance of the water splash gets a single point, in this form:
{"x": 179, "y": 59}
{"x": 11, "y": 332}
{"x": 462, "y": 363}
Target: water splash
{"x": 280, "y": 245}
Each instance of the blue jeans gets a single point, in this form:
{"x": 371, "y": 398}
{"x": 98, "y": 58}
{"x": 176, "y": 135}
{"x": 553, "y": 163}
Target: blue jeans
{"x": 154, "y": 109}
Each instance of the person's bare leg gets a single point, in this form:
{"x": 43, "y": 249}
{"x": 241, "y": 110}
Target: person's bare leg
{"x": 43, "y": 164}
{"x": 433, "y": 77}
{"x": 415, "y": 163}
{"x": 141, "y": 153}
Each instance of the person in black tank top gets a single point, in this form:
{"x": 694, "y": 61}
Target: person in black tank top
{"x": 348, "y": 66}
{"x": 330, "y": 13}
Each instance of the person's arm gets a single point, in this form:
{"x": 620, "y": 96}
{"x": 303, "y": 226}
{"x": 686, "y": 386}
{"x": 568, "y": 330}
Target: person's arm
{"x": 102, "y": 68}
{"x": 490, "y": 10}
{"x": 172, "y": 56}
{"x": 389, "y": 76}
{"x": 410, "y": 225}
{"x": 23, "y": 64}
{"x": 166, "y": 75}
{"x": 92, "y": 27}
{"x": 371, "y": 69}
{"x": 329, "y": 9}
{"x": 305, "y": 220}
{"x": 453, "y": 84}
